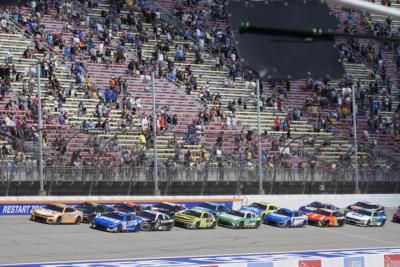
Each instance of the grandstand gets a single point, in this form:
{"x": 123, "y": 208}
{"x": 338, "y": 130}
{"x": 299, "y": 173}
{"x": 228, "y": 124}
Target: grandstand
{"x": 97, "y": 58}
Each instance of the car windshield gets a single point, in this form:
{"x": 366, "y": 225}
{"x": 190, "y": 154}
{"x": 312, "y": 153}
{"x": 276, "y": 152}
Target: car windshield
{"x": 315, "y": 204}
{"x": 364, "y": 212}
{"x": 284, "y": 212}
{"x": 163, "y": 206}
{"x": 208, "y": 206}
{"x": 54, "y": 208}
{"x": 126, "y": 207}
{"x": 367, "y": 205}
{"x": 236, "y": 213}
{"x": 148, "y": 215}
{"x": 258, "y": 206}
{"x": 192, "y": 213}
{"x": 114, "y": 215}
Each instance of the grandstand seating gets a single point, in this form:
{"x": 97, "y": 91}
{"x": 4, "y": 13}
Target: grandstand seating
{"x": 187, "y": 107}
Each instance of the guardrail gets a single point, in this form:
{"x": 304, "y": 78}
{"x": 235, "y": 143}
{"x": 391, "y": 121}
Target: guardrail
{"x": 11, "y": 173}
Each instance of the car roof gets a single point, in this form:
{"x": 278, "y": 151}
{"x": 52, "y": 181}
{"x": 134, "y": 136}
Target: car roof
{"x": 262, "y": 202}
{"x": 61, "y": 205}
{"x": 121, "y": 213}
{"x": 290, "y": 210}
{"x": 153, "y": 212}
{"x": 169, "y": 203}
{"x": 328, "y": 210}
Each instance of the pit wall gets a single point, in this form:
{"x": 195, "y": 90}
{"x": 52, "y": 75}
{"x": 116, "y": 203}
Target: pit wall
{"x": 24, "y": 205}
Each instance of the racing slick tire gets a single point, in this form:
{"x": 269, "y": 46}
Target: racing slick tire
{"x": 286, "y": 225}
{"x": 137, "y": 229}
{"x": 119, "y": 229}
{"x": 214, "y": 225}
{"x": 257, "y": 225}
{"x": 381, "y": 224}
{"x": 32, "y": 218}
{"x": 78, "y": 220}
{"x": 58, "y": 220}
{"x": 197, "y": 226}
{"x": 304, "y": 224}
{"x": 241, "y": 225}
{"x": 157, "y": 225}
{"x": 368, "y": 223}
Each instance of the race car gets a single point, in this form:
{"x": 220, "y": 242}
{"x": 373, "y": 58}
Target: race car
{"x": 215, "y": 209}
{"x": 91, "y": 210}
{"x": 396, "y": 216}
{"x": 325, "y": 217}
{"x": 364, "y": 217}
{"x": 117, "y": 221}
{"x": 167, "y": 208}
{"x": 57, "y": 214}
{"x": 260, "y": 208}
{"x": 286, "y": 218}
{"x": 195, "y": 219}
{"x": 128, "y": 207}
{"x": 313, "y": 206}
{"x": 239, "y": 219}
{"x": 155, "y": 221}
{"x": 364, "y": 205}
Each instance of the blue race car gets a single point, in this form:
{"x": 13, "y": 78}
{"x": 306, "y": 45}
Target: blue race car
{"x": 316, "y": 205}
{"x": 117, "y": 221}
{"x": 286, "y": 218}
{"x": 215, "y": 209}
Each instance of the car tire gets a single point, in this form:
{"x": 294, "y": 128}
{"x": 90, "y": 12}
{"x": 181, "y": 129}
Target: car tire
{"x": 197, "y": 226}
{"x": 368, "y": 223}
{"x": 213, "y": 225}
{"x": 137, "y": 229}
{"x": 32, "y": 218}
{"x": 241, "y": 225}
{"x": 286, "y": 225}
{"x": 382, "y": 224}
{"x": 257, "y": 225}
{"x": 119, "y": 229}
{"x": 58, "y": 220}
{"x": 78, "y": 220}
{"x": 169, "y": 228}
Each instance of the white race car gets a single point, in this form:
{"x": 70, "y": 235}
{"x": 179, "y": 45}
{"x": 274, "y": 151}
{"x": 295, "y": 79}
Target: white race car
{"x": 364, "y": 217}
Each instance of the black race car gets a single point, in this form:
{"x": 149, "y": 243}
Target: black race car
{"x": 167, "y": 208}
{"x": 155, "y": 221}
{"x": 364, "y": 205}
{"x": 91, "y": 210}
{"x": 128, "y": 207}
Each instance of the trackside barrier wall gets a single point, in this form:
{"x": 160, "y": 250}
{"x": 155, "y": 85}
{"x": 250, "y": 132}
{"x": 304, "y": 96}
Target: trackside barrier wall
{"x": 382, "y": 257}
{"x": 24, "y": 205}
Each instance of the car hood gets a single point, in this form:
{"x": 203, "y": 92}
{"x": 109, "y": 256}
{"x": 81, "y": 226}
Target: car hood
{"x": 106, "y": 220}
{"x": 229, "y": 217}
{"x": 184, "y": 217}
{"x": 252, "y": 209}
{"x": 204, "y": 209}
{"x": 46, "y": 212}
{"x": 358, "y": 216}
{"x": 278, "y": 217}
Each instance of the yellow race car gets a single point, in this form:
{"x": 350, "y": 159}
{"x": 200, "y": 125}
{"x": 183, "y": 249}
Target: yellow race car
{"x": 195, "y": 219}
{"x": 260, "y": 208}
{"x": 57, "y": 214}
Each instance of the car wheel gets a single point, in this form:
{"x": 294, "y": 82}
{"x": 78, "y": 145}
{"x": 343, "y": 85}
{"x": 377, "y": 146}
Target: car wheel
{"x": 58, "y": 220}
{"x": 287, "y": 224}
{"x": 32, "y": 218}
{"x": 119, "y": 229}
{"x": 78, "y": 220}
{"x": 157, "y": 224}
{"x": 197, "y": 225}
{"x": 241, "y": 225}
{"x": 257, "y": 225}
{"x": 169, "y": 228}
{"x": 213, "y": 225}
{"x": 304, "y": 224}
{"x": 368, "y": 223}
{"x": 137, "y": 229}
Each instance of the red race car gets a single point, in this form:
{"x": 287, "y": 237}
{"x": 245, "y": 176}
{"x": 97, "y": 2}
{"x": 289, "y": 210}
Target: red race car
{"x": 325, "y": 217}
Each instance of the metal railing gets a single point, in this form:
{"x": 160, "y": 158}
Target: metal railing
{"x": 10, "y": 173}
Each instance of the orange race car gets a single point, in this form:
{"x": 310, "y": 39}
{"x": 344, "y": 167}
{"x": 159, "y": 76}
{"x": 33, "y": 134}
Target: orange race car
{"x": 57, "y": 214}
{"x": 325, "y": 217}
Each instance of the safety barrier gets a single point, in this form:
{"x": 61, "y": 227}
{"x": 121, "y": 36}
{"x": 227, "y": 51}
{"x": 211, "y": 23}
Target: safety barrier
{"x": 24, "y": 205}
{"x": 382, "y": 257}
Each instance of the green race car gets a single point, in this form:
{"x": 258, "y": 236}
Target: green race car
{"x": 239, "y": 219}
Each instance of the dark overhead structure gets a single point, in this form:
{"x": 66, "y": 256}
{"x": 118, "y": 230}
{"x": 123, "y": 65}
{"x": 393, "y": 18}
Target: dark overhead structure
{"x": 280, "y": 52}
{"x": 11, "y": 2}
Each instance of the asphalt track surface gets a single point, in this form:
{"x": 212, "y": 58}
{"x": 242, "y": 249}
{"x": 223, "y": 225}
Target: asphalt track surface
{"x": 23, "y": 241}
